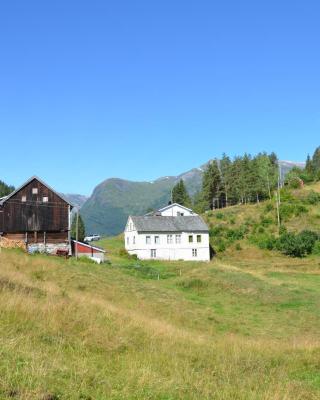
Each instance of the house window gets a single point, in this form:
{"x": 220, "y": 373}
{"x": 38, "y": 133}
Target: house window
{"x": 178, "y": 239}
{"x": 148, "y": 239}
{"x": 134, "y": 240}
{"x": 194, "y": 252}
{"x": 169, "y": 239}
{"x": 24, "y": 199}
{"x": 157, "y": 240}
{"x": 34, "y": 190}
{"x": 153, "y": 253}
{"x": 190, "y": 238}
{"x": 199, "y": 238}
{"x": 45, "y": 199}
{"x": 180, "y": 214}
{"x": 127, "y": 241}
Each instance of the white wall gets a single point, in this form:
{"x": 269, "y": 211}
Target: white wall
{"x": 173, "y": 211}
{"x": 135, "y": 243}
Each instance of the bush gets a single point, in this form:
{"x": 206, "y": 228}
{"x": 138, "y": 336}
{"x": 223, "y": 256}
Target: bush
{"x": 268, "y": 208}
{"x": 312, "y": 198}
{"x": 264, "y": 241}
{"x": 316, "y": 248}
{"x": 265, "y": 221}
{"x": 220, "y": 215}
{"x": 124, "y": 253}
{"x": 297, "y": 245}
{"x": 289, "y": 210}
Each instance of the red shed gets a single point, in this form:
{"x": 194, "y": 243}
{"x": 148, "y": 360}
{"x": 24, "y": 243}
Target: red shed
{"x": 86, "y": 250}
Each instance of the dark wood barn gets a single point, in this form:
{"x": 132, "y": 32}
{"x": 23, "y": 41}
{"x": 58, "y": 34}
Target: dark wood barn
{"x": 35, "y": 213}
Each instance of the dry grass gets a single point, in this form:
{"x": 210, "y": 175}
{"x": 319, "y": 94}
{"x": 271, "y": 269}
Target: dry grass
{"x": 220, "y": 331}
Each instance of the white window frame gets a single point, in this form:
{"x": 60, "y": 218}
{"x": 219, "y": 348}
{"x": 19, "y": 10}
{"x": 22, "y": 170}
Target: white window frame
{"x": 194, "y": 252}
{"x": 153, "y": 253}
{"x": 178, "y": 239}
{"x": 45, "y": 199}
{"x": 23, "y": 199}
{"x": 134, "y": 240}
{"x": 35, "y": 190}
{"x": 157, "y": 239}
{"x": 169, "y": 239}
{"x": 190, "y": 237}
{"x": 128, "y": 241}
{"x": 148, "y": 239}
{"x": 199, "y": 238}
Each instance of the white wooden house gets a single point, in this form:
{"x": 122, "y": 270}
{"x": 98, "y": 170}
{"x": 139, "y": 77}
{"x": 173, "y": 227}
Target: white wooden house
{"x": 172, "y": 233}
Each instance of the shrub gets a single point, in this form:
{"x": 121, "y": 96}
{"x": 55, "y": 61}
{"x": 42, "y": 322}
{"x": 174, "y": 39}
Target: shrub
{"x": 264, "y": 241}
{"x": 316, "y": 248}
{"x": 220, "y": 215}
{"x": 124, "y": 253}
{"x": 238, "y": 247}
{"x": 297, "y": 245}
{"x": 265, "y": 221}
{"x": 235, "y": 234}
{"x": 312, "y": 198}
{"x": 289, "y": 210}
{"x": 268, "y": 208}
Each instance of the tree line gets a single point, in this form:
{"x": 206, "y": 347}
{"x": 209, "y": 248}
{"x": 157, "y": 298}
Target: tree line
{"x": 5, "y": 189}
{"x": 310, "y": 173}
{"x": 241, "y": 180}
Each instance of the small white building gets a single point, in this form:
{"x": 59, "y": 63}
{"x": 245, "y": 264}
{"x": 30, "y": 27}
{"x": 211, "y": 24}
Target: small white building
{"x": 172, "y": 233}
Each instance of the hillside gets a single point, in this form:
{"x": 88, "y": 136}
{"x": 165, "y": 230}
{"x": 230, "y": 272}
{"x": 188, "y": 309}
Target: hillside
{"x": 237, "y": 228}
{"x": 111, "y": 202}
{"x": 235, "y": 328}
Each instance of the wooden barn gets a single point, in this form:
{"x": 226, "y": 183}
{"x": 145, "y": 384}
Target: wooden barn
{"x": 38, "y": 216}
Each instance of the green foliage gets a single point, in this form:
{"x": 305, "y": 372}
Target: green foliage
{"x": 5, "y": 189}
{"x": 298, "y": 245}
{"x": 180, "y": 194}
{"x": 289, "y": 210}
{"x": 81, "y": 229}
{"x": 312, "y": 198}
{"x": 211, "y": 185}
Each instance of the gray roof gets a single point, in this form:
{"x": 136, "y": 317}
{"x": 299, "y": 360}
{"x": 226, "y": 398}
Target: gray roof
{"x": 170, "y": 224}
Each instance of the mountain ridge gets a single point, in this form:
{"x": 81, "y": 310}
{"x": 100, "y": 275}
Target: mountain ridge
{"x": 114, "y": 199}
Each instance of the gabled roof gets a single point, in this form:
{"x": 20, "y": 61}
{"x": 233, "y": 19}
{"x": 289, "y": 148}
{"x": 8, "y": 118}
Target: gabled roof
{"x": 174, "y": 204}
{"x": 192, "y": 223}
{"x": 4, "y": 199}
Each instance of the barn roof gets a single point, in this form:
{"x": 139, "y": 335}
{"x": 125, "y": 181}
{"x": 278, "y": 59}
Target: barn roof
{"x": 4, "y": 199}
{"x": 192, "y": 223}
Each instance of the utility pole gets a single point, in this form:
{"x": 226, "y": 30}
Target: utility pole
{"x": 77, "y": 233}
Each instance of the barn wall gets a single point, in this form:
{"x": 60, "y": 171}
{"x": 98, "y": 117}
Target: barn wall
{"x": 34, "y": 215}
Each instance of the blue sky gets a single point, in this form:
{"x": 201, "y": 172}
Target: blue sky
{"x": 141, "y": 89}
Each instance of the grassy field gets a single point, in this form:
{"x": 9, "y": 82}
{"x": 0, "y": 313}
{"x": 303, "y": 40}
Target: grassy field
{"x": 244, "y": 326}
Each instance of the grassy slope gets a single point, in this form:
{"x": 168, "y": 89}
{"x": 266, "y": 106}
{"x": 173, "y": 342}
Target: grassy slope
{"x": 234, "y": 328}
{"x": 244, "y": 326}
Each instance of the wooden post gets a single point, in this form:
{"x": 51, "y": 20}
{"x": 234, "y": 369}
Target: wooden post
{"x": 77, "y": 233}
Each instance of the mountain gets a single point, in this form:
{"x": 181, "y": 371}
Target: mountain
{"x": 107, "y": 210}
{"x": 77, "y": 200}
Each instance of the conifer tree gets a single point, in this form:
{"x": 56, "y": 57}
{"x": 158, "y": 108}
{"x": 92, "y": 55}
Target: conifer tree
{"x": 211, "y": 185}
{"x": 5, "y": 189}
{"x": 81, "y": 228}
{"x": 180, "y": 194}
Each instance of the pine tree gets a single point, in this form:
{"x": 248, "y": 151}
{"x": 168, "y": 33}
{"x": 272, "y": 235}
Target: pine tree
{"x": 180, "y": 194}
{"x": 316, "y": 162}
{"x": 81, "y": 228}
{"x": 225, "y": 168}
{"x": 309, "y": 166}
{"x": 5, "y": 189}
{"x": 211, "y": 185}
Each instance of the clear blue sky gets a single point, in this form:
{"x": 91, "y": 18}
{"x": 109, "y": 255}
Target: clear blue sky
{"x": 141, "y": 89}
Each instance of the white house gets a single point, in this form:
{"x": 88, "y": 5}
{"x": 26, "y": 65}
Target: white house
{"x": 172, "y": 233}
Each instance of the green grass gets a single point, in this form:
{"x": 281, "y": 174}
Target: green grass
{"x": 234, "y": 328}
